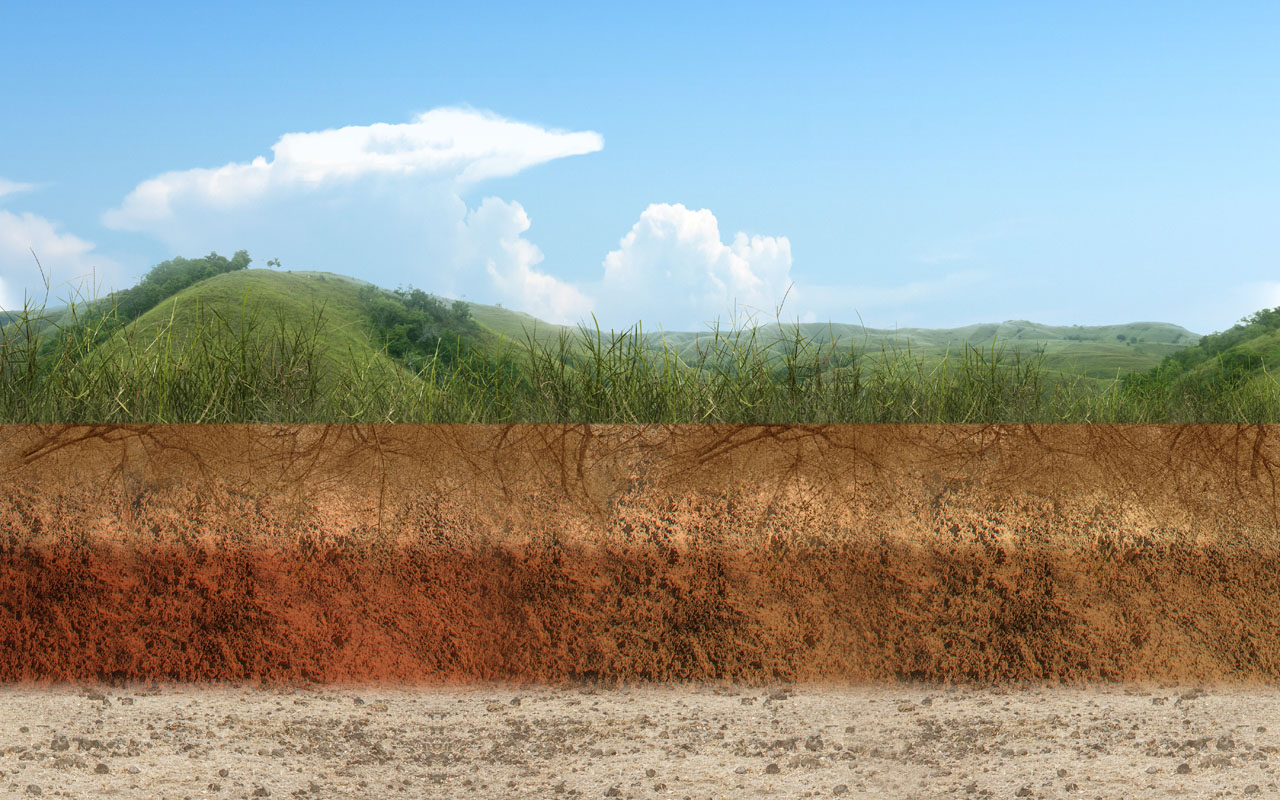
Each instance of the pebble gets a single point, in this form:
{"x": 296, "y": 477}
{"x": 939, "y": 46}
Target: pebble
{"x": 1183, "y": 768}
{"x": 102, "y": 769}
{"x": 772, "y": 769}
{"x": 840, "y": 788}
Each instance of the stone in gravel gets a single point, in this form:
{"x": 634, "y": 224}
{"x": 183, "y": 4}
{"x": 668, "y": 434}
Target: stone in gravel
{"x": 840, "y": 788}
{"x": 215, "y": 787}
{"x": 649, "y": 773}
{"x": 772, "y": 769}
{"x": 1025, "y": 791}
{"x": 1062, "y": 773}
{"x": 1152, "y": 770}
{"x": 1252, "y": 789}
{"x": 102, "y": 769}
{"x": 33, "y": 789}
{"x": 1183, "y": 768}
{"x": 224, "y": 772}
{"x": 613, "y": 791}
{"x": 262, "y": 791}
{"x": 59, "y": 744}
{"x": 739, "y": 770}
{"x": 1226, "y": 743}
{"x": 358, "y": 701}
{"x": 813, "y": 743}
{"x": 515, "y": 701}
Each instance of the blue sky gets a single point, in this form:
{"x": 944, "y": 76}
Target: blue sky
{"x": 911, "y": 164}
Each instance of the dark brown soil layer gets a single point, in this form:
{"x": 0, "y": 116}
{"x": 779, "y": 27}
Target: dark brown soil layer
{"x": 549, "y": 553}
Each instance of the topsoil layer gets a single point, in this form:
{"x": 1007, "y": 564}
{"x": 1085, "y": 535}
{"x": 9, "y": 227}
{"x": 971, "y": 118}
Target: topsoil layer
{"x": 450, "y": 554}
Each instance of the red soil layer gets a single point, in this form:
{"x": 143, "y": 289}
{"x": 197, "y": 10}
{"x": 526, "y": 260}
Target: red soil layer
{"x": 550, "y": 553}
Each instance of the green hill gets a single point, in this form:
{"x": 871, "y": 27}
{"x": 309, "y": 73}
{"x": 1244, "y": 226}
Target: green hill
{"x": 1246, "y": 352}
{"x": 261, "y": 304}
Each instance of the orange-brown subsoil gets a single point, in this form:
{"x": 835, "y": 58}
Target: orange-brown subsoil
{"x": 457, "y": 554}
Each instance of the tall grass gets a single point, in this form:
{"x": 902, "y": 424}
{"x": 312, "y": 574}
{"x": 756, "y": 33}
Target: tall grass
{"x": 86, "y": 365}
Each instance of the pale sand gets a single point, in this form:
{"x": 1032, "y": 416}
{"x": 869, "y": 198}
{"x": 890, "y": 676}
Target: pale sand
{"x": 644, "y": 741}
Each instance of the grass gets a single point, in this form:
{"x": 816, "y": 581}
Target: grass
{"x": 257, "y": 347}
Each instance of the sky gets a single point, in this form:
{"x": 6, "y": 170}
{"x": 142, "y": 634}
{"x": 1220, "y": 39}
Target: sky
{"x": 915, "y": 164}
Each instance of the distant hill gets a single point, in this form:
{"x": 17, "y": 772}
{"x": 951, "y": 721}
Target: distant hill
{"x": 1095, "y": 352}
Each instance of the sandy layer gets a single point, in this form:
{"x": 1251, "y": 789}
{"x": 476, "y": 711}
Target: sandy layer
{"x": 700, "y": 741}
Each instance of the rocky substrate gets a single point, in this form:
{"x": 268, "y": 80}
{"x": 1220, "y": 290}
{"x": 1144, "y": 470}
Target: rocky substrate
{"x": 651, "y": 741}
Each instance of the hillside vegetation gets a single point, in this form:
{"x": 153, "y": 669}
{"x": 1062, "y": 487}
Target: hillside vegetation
{"x": 210, "y": 340}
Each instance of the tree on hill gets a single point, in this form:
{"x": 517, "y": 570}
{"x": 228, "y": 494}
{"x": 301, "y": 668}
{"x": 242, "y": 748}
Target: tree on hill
{"x": 167, "y": 278}
{"x": 415, "y": 327}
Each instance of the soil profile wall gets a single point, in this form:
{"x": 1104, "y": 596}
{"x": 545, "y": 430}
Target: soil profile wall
{"x": 547, "y": 553}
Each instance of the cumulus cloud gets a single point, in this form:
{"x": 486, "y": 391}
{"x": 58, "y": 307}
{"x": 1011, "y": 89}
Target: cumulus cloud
{"x": 492, "y": 235}
{"x": 673, "y": 268}
{"x": 66, "y": 258}
{"x": 383, "y": 201}
{"x": 12, "y": 187}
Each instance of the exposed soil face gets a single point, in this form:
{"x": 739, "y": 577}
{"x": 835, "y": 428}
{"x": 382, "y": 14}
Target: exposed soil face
{"x": 674, "y": 741}
{"x": 457, "y": 554}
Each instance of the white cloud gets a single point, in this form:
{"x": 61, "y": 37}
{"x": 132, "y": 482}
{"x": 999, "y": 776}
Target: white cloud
{"x": 459, "y": 145}
{"x": 492, "y": 235}
{"x": 672, "y": 268}
{"x": 12, "y": 187}
{"x": 383, "y": 202}
{"x": 65, "y": 258}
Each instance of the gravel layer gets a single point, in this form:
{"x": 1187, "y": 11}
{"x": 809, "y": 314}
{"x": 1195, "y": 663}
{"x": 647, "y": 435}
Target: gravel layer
{"x": 694, "y": 741}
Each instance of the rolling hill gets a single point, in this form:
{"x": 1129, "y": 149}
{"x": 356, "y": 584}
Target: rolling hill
{"x": 264, "y": 300}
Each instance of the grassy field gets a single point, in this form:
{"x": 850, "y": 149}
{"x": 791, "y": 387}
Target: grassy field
{"x": 268, "y": 346}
